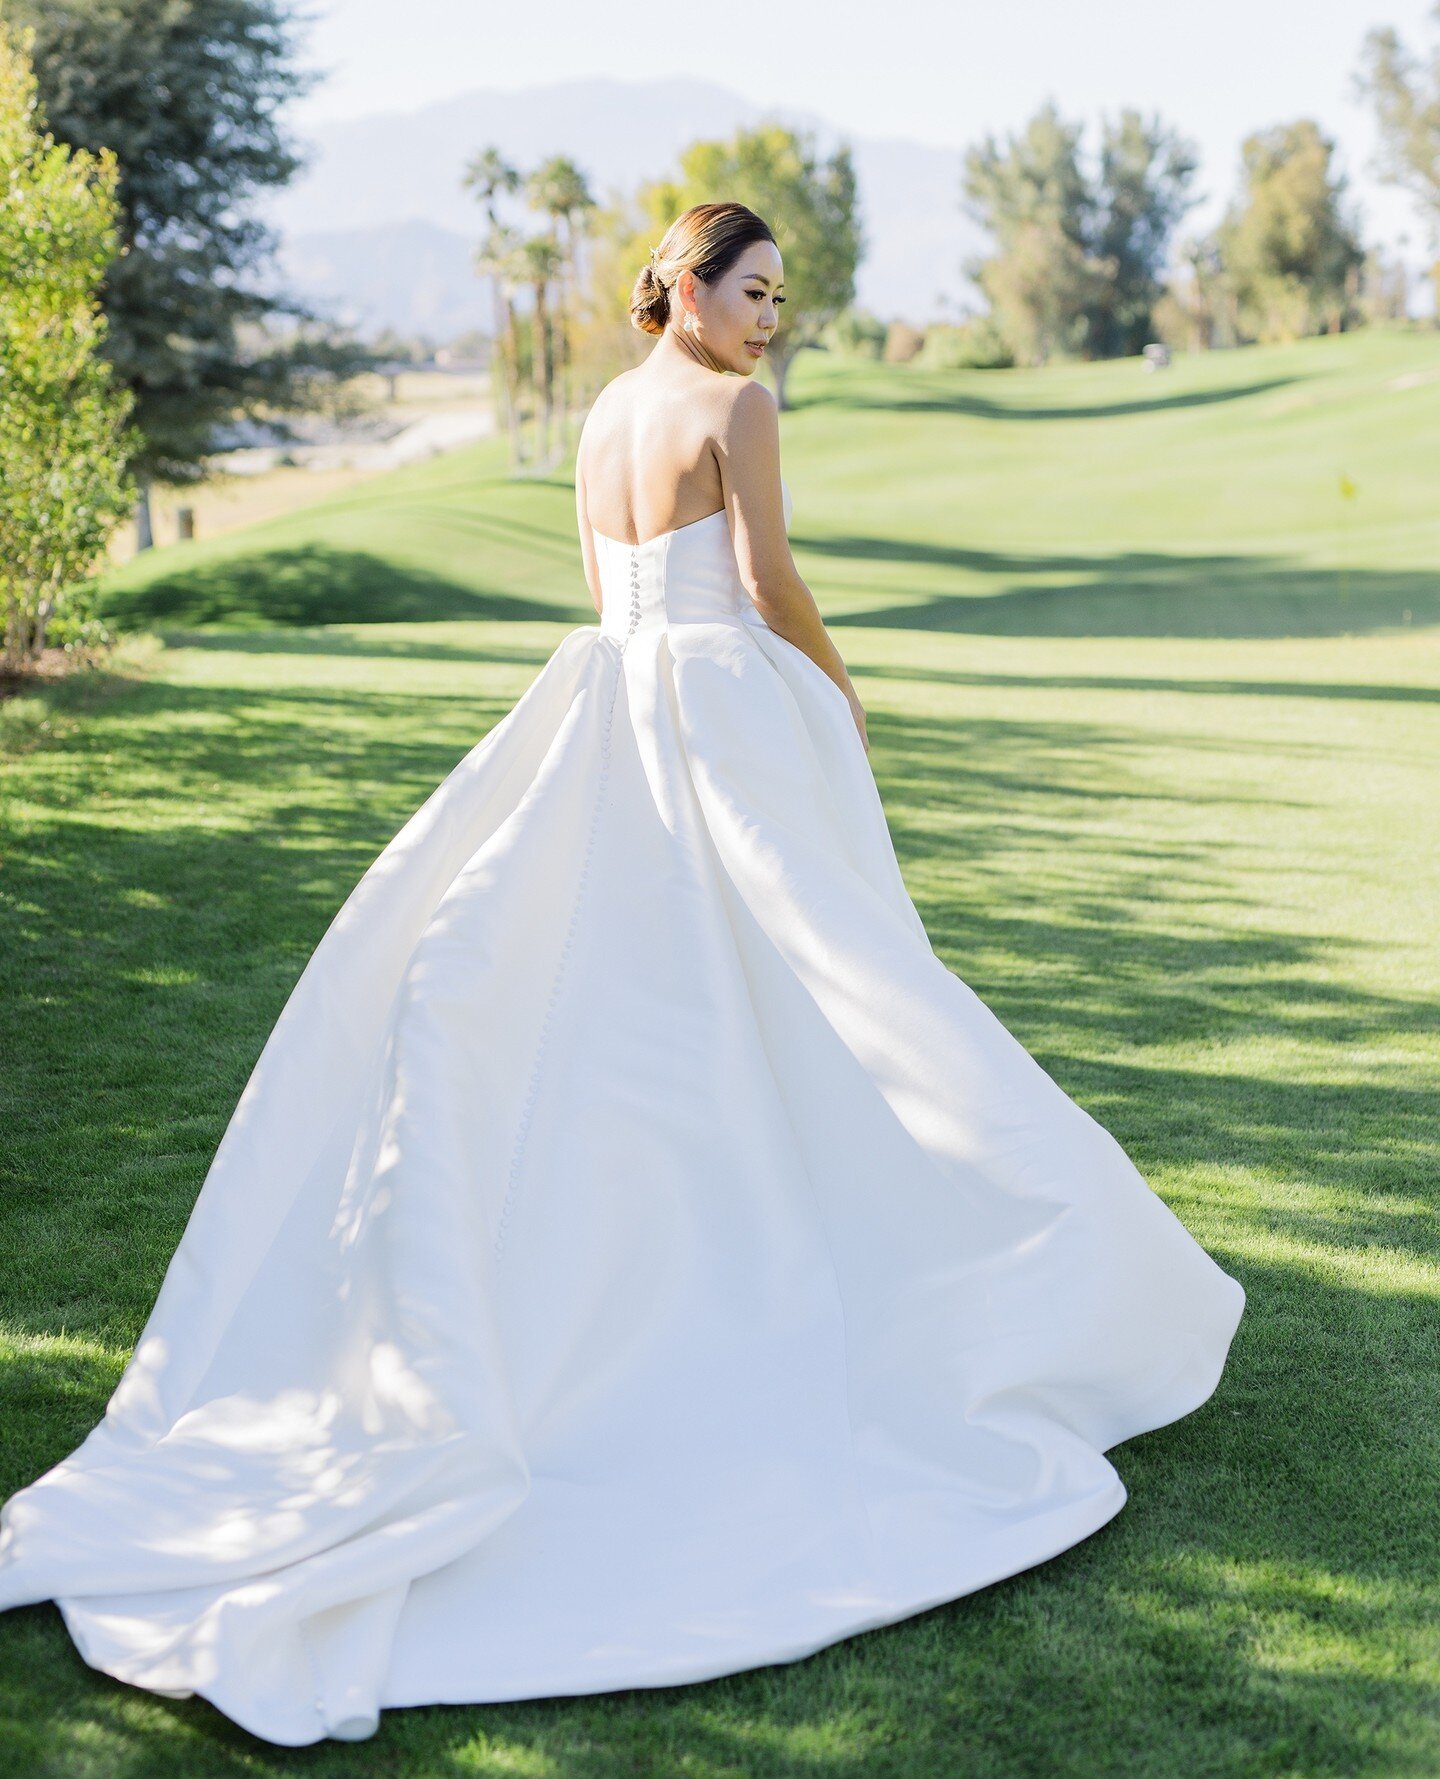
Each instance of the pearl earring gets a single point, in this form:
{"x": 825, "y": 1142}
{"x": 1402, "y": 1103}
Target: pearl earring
{"x": 688, "y": 325}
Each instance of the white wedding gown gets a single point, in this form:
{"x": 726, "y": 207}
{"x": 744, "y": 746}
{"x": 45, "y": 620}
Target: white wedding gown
{"x": 635, "y": 1257}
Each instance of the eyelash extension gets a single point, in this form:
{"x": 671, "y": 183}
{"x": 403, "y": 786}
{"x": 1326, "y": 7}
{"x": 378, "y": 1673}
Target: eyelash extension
{"x": 761, "y": 293}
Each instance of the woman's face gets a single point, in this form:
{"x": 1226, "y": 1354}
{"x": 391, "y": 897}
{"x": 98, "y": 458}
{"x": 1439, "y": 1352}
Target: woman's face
{"x": 740, "y": 310}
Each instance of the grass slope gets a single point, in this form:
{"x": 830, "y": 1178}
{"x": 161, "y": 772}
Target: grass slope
{"x": 1082, "y": 500}
{"x": 1163, "y": 787}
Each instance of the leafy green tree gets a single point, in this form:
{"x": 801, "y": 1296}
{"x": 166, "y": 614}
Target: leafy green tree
{"x": 1287, "y": 245}
{"x": 1142, "y": 193}
{"x": 974, "y": 344}
{"x": 1406, "y": 97}
{"x": 1077, "y": 260}
{"x": 63, "y": 438}
{"x": 1043, "y": 287}
{"x": 187, "y": 95}
{"x": 856, "y": 332}
{"x": 1032, "y": 196}
{"x": 810, "y": 203}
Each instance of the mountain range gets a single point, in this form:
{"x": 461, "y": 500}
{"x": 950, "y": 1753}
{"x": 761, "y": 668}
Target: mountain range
{"x": 378, "y": 231}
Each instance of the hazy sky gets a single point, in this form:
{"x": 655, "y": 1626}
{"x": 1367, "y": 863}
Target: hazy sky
{"x": 1216, "y": 71}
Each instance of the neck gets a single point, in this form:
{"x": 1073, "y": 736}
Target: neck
{"x": 676, "y": 343}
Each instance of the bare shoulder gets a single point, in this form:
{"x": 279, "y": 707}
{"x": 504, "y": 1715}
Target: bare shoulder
{"x": 600, "y": 403}
{"x": 744, "y": 396}
{"x": 622, "y": 380}
{"x": 747, "y": 411}
{"x": 601, "y": 413}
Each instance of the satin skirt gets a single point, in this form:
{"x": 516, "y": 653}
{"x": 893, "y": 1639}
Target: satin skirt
{"x": 634, "y": 1258}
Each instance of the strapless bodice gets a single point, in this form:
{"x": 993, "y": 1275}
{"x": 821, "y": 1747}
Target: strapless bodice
{"x": 685, "y": 576}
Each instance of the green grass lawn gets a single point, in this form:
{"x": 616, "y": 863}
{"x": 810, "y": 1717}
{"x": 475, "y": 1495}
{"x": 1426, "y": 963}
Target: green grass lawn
{"x": 1155, "y": 714}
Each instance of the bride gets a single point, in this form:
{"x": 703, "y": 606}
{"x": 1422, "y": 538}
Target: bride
{"x": 635, "y": 1257}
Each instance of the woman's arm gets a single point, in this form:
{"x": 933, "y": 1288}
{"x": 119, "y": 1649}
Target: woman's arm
{"x": 587, "y": 535}
{"x": 748, "y": 449}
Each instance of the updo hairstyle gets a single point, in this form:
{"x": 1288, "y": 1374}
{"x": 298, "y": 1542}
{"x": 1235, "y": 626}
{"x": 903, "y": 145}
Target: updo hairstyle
{"x": 706, "y": 240}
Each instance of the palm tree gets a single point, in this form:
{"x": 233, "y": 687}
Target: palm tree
{"x": 499, "y": 256}
{"x": 489, "y": 175}
{"x": 542, "y": 258}
{"x": 558, "y": 189}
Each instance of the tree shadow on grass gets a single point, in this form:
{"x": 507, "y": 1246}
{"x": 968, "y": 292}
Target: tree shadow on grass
{"x": 1119, "y": 593}
{"x": 350, "y": 644}
{"x": 939, "y": 393}
{"x": 1196, "y": 687}
{"x": 310, "y": 584}
{"x": 1145, "y": 593}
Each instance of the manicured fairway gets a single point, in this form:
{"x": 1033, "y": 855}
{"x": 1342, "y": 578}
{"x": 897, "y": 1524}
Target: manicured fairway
{"x": 1155, "y": 714}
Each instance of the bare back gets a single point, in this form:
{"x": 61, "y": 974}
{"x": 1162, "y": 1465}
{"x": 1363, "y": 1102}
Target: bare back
{"x": 672, "y": 442}
{"x": 647, "y": 459}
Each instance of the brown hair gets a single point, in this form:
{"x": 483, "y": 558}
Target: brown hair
{"x": 706, "y": 240}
